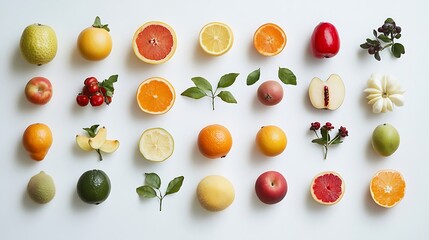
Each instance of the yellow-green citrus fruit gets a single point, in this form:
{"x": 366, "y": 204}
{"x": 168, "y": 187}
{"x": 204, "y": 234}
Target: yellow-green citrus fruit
{"x": 215, "y": 193}
{"x": 38, "y": 44}
{"x": 93, "y": 186}
{"x": 41, "y": 188}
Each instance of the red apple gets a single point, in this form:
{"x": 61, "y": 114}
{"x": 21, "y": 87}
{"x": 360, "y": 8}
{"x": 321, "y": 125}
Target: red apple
{"x": 38, "y": 90}
{"x": 271, "y": 187}
{"x": 325, "y": 41}
{"x": 270, "y": 93}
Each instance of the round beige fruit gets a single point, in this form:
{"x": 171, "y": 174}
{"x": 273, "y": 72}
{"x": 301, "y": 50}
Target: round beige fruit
{"x": 41, "y": 188}
{"x": 215, "y": 193}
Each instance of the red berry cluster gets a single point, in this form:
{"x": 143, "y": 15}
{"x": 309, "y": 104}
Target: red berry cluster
{"x": 94, "y": 93}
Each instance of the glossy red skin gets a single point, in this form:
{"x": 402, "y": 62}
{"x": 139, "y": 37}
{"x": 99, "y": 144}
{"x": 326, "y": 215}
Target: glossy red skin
{"x": 93, "y": 88}
{"x": 271, "y": 187}
{"x": 96, "y": 100}
{"x": 270, "y": 93}
{"x": 38, "y": 90}
{"x": 90, "y": 80}
{"x": 82, "y": 100}
{"x": 325, "y": 41}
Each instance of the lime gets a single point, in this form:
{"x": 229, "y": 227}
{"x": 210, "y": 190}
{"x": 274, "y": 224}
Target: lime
{"x": 156, "y": 144}
{"x": 93, "y": 186}
{"x": 41, "y": 188}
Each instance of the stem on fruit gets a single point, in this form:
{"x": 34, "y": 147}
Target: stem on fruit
{"x": 99, "y": 154}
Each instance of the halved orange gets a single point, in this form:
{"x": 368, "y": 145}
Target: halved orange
{"x": 155, "y": 95}
{"x": 387, "y": 188}
{"x": 154, "y": 42}
{"x": 269, "y": 39}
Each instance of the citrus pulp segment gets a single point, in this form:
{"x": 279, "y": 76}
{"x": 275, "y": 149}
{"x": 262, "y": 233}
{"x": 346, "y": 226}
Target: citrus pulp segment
{"x": 154, "y": 42}
{"x": 155, "y": 95}
{"x": 216, "y": 38}
{"x": 327, "y": 188}
{"x": 387, "y": 188}
{"x": 156, "y": 144}
{"x": 269, "y": 39}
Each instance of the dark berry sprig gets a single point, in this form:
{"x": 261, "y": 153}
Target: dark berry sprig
{"x": 385, "y": 37}
{"x": 325, "y": 139}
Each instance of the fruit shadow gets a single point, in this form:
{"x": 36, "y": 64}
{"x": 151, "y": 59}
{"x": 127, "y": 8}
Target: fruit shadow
{"x": 309, "y": 59}
{"x": 198, "y": 211}
{"x": 254, "y": 55}
{"x": 313, "y": 206}
{"x": 22, "y": 156}
{"x": 29, "y": 204}
{"x": 77, "y": 204}
{"x": 370, "y": 206}
{"x": 135, "y": 64}
{"x": 76, "y": 60}
{"x": 200, "y": 56}
{"x": 371, "y": 155}
{"x": 18, "y": 63}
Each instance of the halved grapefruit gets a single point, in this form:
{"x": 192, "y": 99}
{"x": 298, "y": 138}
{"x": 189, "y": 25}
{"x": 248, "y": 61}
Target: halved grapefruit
{"x": 154, "y": 42}
{"x": 155, "y": 95}
{"x": 327, "y": 188}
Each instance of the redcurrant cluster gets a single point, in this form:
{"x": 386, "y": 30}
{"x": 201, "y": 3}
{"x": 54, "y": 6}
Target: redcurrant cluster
{"x": 96, "y": 93}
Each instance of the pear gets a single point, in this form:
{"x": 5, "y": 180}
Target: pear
{"x": 385, "y": 139}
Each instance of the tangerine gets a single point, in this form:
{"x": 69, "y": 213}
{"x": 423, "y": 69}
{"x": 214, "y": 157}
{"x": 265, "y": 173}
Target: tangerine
{"x": 37, "y": 139}
{"x": 387, "y": 188}
{"x": 155, "y": 95}
{"x": 214, "y": 141}
{"x": 269, "y": 39}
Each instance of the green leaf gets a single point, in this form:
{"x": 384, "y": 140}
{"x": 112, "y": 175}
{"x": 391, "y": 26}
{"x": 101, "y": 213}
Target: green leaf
{"x": 108, "y": 84}
{"x": 371, "y": 42}
{"x": 398, "y": 49}
{"x": 153, "y": 180}
{"x": 374, "y": 32}
{"x": 97, "y": 24}
{"x": 325, "y": 134}
{"x": 320, "y": 141}
{"x": 398, "y": 36}
{"x": 253, "y": 77}
{"x": 146, "y": 191}
{"x": 227, "y": 96}
{"x": 202, "y": 83}
{"x": 377, "y": 56}
{"x": 337, "y": 141}
{"x": 227, "y": 80}
{"x": 194, "y": 92}
{"x": 92, "y": 131}
{"x": 287, "y": 76}
{"x": 365, "y": 45}
{"x": 174, "y": 185}
{"x": 384, "y": 38}
{"x": 389, "y": 20}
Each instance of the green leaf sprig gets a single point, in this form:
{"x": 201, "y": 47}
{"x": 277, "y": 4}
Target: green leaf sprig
{"x": 385, "y": 37}
{"x": 108, "y": 85}
{"x": 152, "y": 187}
{"x": 203, "y": 88}
{"x": 97, "y": 24}
{"x": 325, "y": 138}
{"x": 284, "y": 74}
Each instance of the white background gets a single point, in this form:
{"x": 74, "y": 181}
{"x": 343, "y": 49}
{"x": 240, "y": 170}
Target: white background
{"x": 126, "y": 216}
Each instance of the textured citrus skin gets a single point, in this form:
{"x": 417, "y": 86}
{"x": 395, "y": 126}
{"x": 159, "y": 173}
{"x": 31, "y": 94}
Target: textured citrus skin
{"x": 41, "y": 188}
{"x": 271, "y": 140}
{"x": 154, "y": 42}
{"x": 37, "y": 139}
{"x": 93, "y": 186}
{"x": 387, "y": 188}
{"x": 327, "y": 188}
{"x": 155, "y": 95}
{"x": 214, "y": 141}
{"x": 215, "y": 193}
{"x": 94, "y": 43}
{"x": 38, "y": 44}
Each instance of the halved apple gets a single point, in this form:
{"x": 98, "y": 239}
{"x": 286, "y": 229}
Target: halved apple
{"x": 99, "y": 139}
{"x": 83, "y": 142}
{"x": 327, "y": 94}
{"x": 109, "y": 146}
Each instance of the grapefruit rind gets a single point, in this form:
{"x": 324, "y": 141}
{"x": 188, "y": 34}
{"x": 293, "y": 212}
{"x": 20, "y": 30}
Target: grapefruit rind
{"x": 205, "y": 36}
{"x": 167, "y": 83}
{"x": 317, "y": 199}
{"x": 371, "y": 190}
{"x": 152, "y": 61}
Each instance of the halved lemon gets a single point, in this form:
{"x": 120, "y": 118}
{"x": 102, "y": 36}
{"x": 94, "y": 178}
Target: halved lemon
{"x": 216, "y": 38}
{"x": 156, "y": 144}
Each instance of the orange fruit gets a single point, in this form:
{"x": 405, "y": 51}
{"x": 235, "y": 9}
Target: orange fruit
{"x": 37, "y": 139}
{"x": 155, "y": 95}
{"x": 154, "y": 42}
{"x": 269, "y": 39}
{"x": 214, "y": 141}
{"x": 387, "y": 188}
{"x": 271, "y": 140}
{"x": 95, "y": 43}
{"x": 327, "y": 188}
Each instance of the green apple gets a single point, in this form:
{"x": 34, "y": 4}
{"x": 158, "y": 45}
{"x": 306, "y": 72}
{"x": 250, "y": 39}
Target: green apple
{"x": 385, "y": 139}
